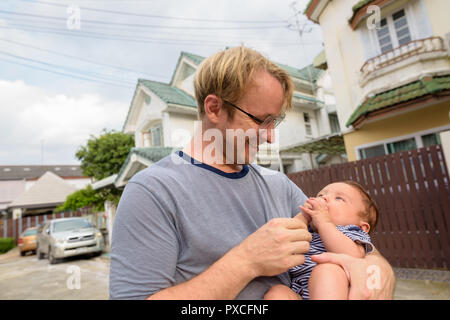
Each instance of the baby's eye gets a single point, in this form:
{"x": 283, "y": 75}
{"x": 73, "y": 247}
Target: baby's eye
{"x": 339, "y": 198}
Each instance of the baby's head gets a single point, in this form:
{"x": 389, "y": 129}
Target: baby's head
{"x": 348, "y": 203}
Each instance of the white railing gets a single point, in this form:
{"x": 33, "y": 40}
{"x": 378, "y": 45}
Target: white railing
{"x": 412, "y": 48}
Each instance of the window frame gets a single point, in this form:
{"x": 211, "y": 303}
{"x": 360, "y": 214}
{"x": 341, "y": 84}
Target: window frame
{"x": 417, "y": 135}
{"x": 392, "y": 31}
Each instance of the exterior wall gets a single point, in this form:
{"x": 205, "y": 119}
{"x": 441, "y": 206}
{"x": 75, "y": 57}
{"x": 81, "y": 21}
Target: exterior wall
{"x": 438, "y": 12}
{"x": 347, "y": 50}
{"x": 422, "y": 119}
{"x": 148, "y": 115}
{"x": 180, "y": 129}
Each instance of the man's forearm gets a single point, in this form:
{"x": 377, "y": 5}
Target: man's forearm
{"x": 223, "y": 280}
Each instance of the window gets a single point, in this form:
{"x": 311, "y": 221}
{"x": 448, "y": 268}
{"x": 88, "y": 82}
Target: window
{"x": 307, "y": 121}
{"x": 431, "y": 139}
{"x": 384, "y": 38}
{"x": 156, "y": 136}
{"x": 372, "y": 152}
{"x": 334, "y": 123}
{"x": 403, "y": 145}
{"x": 393, "y": 31}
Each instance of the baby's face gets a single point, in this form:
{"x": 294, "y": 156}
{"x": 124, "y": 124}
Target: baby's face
{"x": 344, "y": 203}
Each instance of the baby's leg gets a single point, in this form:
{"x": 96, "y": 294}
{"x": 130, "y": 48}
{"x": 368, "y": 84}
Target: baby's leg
{"x": 328, "y": 281}
{"x": 281, "y": 292}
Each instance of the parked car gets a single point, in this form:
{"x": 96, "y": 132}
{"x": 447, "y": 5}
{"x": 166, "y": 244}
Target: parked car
{"x": 27, "y": 241}
{"x": 66, "y": 237}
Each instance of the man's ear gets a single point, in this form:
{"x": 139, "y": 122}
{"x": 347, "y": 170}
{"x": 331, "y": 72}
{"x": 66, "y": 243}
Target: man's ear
{"x": 213, "y": 108}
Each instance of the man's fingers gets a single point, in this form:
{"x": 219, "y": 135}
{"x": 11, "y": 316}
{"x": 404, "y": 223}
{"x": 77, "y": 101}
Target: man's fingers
{"x": 300, "y": 247}
{"x": 299, "y": 235}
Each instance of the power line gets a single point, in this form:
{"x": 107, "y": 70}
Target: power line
{"x": 106, "y": 36}
{"x": 81, "y": 59}
{"x": 143, "y": 25}
{"x": 65, "y": 74}
{"x": 88, "y": 73}
{"x": 155, "y": 16}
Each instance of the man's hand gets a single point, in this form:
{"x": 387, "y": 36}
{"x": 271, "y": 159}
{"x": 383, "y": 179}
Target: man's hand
{"x": 317, "y": 209}
{"x": 370, "y": 278}
{"x": 275, "y": 247}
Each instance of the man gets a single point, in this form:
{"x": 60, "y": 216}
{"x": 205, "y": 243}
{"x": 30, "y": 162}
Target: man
{"x": 203, "y": 223}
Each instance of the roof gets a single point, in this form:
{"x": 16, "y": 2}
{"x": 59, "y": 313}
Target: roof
{"x": 330, "y": 144}
{"x": 360, "y": 10}
{"x": 153, "y": 154}
{"x": 193, "y": 57}
{"x": 168, "y": 93}
{"x": 393, "y": 97}
{"x": 10, "y": 190}
{"x": 35, "y": 171}
{"x": 49, "y": 189}
{"x": 302, "y": 73}
{"x": 301, "y": 96}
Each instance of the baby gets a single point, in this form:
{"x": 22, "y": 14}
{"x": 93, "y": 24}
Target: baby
{"x": 339, "y": 218}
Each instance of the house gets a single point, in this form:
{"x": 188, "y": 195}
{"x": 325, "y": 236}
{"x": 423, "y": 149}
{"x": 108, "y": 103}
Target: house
{"x": 390, "y": 68}
{"x": 162, "y": 118}
{"x": 38, "y": 189}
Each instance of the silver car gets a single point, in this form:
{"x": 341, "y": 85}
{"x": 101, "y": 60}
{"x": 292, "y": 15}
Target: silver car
{"x": 66, "y": 237}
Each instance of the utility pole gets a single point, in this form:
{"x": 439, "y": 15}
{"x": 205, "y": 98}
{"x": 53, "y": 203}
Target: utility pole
{"x": 301, "y": 29}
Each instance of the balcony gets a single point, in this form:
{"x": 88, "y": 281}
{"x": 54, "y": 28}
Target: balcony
{"x": 428, "y": 57}
{"x": 422, "y": 49}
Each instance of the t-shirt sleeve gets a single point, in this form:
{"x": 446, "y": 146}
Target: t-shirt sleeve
{"x": 297, "y": 196}
{"x": 358, "y": 235}
{"x": 144, "y": 246}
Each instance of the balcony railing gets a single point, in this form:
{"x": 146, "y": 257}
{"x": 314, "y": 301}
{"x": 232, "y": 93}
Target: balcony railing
{"x": 412, "y": 48}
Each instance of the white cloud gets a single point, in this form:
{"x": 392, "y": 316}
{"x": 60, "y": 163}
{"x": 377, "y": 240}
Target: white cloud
{"x": 29, "y": 114}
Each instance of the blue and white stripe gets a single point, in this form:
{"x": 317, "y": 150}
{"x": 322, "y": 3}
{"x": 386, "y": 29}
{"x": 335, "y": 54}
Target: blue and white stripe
{"x": 301, "y": 273}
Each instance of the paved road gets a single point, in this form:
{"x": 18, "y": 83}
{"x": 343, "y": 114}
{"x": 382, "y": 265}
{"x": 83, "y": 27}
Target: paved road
{"x": 28, "y": 278}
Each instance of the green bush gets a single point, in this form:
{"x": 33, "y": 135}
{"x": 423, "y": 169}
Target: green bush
{"x": 6, "y": 244}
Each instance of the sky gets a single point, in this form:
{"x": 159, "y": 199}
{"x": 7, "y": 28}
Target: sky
{"x": 68, "y": 69}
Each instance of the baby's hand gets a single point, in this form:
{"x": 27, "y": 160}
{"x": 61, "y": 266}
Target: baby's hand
{"x": 317, "y": 209}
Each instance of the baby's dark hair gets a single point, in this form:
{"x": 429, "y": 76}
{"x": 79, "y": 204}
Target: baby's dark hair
{"x": 371, "y": 213}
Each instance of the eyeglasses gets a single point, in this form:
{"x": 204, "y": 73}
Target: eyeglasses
{"x": 263, "y": 124}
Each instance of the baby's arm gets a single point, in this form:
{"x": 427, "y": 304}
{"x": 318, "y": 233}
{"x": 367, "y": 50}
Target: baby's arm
{"x": 333, "y": 239}
{"x": 337, "y": 242}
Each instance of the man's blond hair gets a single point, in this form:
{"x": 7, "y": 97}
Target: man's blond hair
{"x": 229, "y": 73}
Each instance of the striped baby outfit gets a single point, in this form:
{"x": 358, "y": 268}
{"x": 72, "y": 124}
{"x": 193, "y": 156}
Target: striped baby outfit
{"x": 300, "y": 274}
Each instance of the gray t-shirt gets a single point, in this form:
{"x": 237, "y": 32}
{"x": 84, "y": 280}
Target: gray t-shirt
{"x": 179, "y": 216}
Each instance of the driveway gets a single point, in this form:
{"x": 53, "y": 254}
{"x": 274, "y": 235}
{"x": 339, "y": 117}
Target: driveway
{"x": 74, "y": 278}
{"x": 81, "y": 278}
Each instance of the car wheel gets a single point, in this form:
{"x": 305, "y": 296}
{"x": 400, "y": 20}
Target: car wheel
{"x": 51, "y": 257}
{"x": 40, "y": 255}
{"x": 22, "y": 253}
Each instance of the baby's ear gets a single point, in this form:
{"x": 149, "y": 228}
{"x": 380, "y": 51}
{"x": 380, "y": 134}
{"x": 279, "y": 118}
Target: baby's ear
{"x": 365, "y": 226}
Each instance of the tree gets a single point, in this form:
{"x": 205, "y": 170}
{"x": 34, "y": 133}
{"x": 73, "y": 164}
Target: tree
{"x": 89, "y": 197}
{"x": 105, "y": 155}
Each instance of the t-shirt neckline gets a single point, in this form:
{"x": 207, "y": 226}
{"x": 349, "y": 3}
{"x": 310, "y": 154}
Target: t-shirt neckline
{"x": 230, "y": 175}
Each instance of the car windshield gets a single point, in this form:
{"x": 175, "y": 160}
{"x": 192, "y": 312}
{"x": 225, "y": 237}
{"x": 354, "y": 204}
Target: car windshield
{"x": 61, "y": 226}
{"x": 30, "y": 232}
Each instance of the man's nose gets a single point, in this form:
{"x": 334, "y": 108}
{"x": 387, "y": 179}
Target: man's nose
{"x": 267, "y": 135}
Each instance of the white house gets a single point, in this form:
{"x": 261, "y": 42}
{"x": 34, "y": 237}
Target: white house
{"x": 162, "y": 115}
